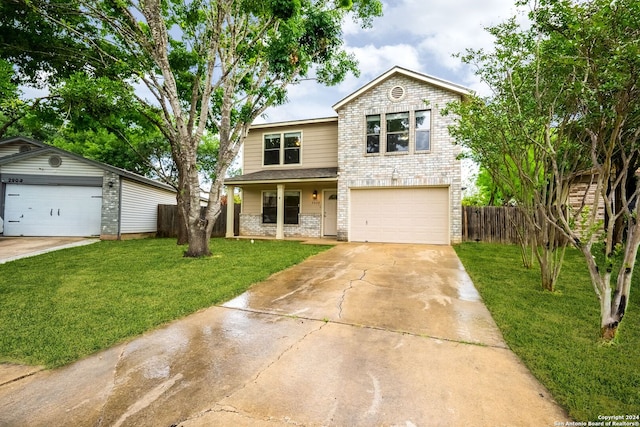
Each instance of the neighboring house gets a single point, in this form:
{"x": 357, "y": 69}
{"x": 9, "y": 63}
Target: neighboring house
{"x": 384, "y": 170}
{"x": 46, "y": 191}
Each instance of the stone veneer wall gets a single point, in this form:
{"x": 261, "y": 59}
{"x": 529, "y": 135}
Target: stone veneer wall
{"x": 439, "y": 167}
{"x": 110, "y": 217}
{"x": 309, "y": 226}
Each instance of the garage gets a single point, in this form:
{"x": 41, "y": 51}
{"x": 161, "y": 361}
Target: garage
{"x": 400, "y": 215}
{"x": 51, "y": 210}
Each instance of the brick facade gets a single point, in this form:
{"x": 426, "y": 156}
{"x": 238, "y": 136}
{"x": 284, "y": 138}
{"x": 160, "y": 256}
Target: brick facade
{"x": 110, "y": 217}
{"x": 438, "y": 167}
{"x": 309, "y": 226}
{"x": 397, "y": 91}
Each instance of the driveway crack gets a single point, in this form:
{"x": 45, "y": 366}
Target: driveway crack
{"x": 259, "y": 374}
{"x": 230, "y": 409}
{"x": 288, "y": 349}
{"x": 347, "y": 289}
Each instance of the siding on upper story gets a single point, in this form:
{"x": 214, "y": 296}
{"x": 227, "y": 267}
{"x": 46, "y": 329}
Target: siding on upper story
{"x": 319, "y": 146}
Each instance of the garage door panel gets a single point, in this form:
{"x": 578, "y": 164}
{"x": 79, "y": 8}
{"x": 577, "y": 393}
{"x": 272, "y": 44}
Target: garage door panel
{"x": 43, "y": 210}
{"x": 400, "y": 215}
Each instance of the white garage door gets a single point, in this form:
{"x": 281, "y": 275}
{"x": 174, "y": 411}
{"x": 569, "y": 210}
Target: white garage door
{"x": 400, "y": 215}
{"x": 48, "y": 210}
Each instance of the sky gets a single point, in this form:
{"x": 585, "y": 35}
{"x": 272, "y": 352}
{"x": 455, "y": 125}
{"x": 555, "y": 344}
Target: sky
{"x": 420, "y": 35}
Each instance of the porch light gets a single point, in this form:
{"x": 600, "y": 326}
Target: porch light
{"x": 394, "y": 174}
{"x": 315, "y": 194}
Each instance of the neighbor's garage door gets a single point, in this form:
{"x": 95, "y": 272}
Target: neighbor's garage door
{"x": 48, "y": 210}
{"x": 400, "y": 215}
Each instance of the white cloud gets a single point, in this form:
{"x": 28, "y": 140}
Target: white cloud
{"x": 416, "y": 34}
{"x": 375, "y": 60}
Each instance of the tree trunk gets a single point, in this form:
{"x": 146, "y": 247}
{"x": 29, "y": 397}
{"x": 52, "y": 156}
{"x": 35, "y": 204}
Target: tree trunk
{"x": 614, "y": 304}
{"x": 549, "y": 250}
{"x": 183, "y": 208}
{"x": 198, "y": 240}
{"x": 197, "y": 236}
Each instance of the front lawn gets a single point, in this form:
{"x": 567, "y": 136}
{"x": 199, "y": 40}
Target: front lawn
{"x": 557, "y": 334}
{"x": 58, "y": 307}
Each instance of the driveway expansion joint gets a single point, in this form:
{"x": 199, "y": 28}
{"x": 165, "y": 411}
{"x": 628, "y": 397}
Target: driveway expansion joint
{"x": 362, "y": 326}
{"x": 21, "y": 377}
{"x": 113, "y": 384}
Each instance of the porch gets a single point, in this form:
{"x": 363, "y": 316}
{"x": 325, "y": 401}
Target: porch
{"x": 291, "y": 203}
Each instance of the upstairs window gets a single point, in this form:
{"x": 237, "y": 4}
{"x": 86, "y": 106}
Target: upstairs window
{"x": 373, "y": 134}
{"x": 282, "y": 148}
{"x": 272, "y": 149}
{"x": 397, "y": 132}
{"x": 423, "y": 130}
{"x": 292, "y": 144}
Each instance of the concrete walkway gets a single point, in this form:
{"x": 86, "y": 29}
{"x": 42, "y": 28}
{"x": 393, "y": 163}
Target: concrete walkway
{"x": 360, "y": 335}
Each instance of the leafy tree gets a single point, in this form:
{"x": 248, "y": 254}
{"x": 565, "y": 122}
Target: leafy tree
{"x": 44, "y": 52}
{"x": 210, "y": 66}
{"x": 598, "y": 43}
{"x": 19, "y": 116}
{"x": 508, "y": 135}
{"x": 566, "y": 104}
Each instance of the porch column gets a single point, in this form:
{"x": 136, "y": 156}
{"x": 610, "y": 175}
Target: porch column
{"x": 280, "y": 213}
{"x": 230, "y": 211}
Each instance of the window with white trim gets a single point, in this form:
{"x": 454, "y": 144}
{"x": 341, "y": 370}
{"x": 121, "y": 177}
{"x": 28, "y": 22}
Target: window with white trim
{"x": 423, "y": 130}
{"x": 397, "y": 132}
{"x": 270, "y": 207}
{"x": 282, "y": 148}
{"x": 272, "y": 149}
{"x": 373, "y": 133}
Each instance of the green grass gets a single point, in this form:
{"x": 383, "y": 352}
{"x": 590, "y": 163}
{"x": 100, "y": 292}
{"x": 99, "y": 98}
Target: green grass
{"x": 61, "y": 306}
{"x": 557, "y": 334}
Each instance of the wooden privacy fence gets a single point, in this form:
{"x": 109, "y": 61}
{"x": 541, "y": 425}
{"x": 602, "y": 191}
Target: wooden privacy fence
{"x": 492, "y": 224}
{"x": 168, "y": 221}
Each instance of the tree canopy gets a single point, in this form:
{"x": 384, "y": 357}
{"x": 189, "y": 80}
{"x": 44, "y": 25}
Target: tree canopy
{"x": 566, "y": 106}
{"x": 208, "y": 66}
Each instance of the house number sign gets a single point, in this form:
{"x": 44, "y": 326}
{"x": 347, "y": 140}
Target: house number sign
{"x": 13, "y": 180}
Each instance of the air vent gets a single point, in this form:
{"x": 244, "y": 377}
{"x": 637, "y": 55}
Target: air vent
{"x": 55, "y": 161}
{"x": 24, "y": 148}
{"x": 397, "y": 93}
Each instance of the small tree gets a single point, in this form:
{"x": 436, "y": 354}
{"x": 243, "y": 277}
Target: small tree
{"x": 598, "y": 44}
{"x": 509, "y": 135}
{"x": 567, "y": 104}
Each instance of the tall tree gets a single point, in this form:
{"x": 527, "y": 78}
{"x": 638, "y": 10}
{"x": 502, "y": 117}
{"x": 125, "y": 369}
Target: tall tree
{"x": 598, "y": 44}
{"x": 508, "y": 134}
{"x": 211, "y": 65}
{"x": 567, "y": 100}
{"x": 19, "y": 116}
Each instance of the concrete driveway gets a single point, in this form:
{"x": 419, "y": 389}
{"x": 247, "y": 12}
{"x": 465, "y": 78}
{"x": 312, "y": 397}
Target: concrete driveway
{"x": 12, "y": 248}
{"x": 360, "y": 335}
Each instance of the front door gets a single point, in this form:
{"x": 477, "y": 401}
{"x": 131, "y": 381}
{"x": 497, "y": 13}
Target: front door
{"x": 330, "y": 206}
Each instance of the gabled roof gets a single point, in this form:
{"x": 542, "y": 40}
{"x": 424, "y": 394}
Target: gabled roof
{"x": 434, "y": 81}
{"x": 285, "y": 175}
{"x": 43, "y": 148}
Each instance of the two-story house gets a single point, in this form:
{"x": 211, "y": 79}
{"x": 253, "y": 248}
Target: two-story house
{"x": 384, "y": 170}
